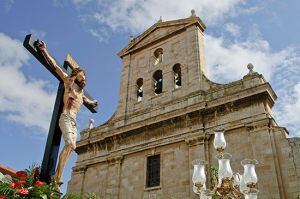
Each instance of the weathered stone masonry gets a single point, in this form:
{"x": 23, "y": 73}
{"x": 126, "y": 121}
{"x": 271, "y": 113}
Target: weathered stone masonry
{"x": 178, "y": 124}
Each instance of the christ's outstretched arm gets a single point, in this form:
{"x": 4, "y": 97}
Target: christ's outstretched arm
{"x": 42, "y": 47}
{"x": 94, "y": 103}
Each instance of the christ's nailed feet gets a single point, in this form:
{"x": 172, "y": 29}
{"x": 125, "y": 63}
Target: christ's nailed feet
{"x": 58, "y": 183}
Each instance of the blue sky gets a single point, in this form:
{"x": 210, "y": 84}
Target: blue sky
{"x": 265, "y": 33}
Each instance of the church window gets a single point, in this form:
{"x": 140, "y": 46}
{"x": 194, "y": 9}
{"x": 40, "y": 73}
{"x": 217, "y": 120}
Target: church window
{"x": 177, "y": 75}
{"x": 158, "y": 55}
{"x": 158, "y": 82}
{"x": 153, "y": 171}
{"x": 139, "y": 89}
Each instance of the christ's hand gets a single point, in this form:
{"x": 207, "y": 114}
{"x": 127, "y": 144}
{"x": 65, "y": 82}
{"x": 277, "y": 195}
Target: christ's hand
{"x": 94, "y": 103}
{"x": 40, "y": 45}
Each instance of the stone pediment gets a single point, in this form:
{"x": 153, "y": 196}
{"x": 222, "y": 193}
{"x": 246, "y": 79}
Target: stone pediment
{"x": 159, "y": 31}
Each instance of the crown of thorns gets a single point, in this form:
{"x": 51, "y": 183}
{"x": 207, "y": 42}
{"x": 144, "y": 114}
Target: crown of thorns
{"x": 76, "y": 71}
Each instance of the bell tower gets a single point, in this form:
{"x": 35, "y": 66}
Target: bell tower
{"x": 164, "y": 64}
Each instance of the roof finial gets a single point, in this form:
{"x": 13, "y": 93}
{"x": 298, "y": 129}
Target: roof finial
{"x": 160, "y": 19}
{"x": 131, "y": 38}
{"x": 91, "y": 124}
{"x": 193, "y": 12}
{"x": 250, "y": 68}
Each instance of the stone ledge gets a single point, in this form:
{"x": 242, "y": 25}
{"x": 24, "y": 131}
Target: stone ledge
{"x": 261, "y": 89}
{"x": 152, "y": 188}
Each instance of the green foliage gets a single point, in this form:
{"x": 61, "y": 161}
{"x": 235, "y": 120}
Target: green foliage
{"x": 298, "y": 196}
{"x": 26, "y": 186}
{"x": 92, "y": 196}
{"x": 214, "y": 175}
{"x": 6, "y": 190}
{"x": 80, "y": 196}
{"x": 72, "y": 196}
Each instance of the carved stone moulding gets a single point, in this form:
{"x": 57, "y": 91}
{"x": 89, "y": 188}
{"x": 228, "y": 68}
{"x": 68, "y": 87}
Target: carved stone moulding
{"x": 115, "y": 159}
{"x": 191, "y": 141}
{"x": 80, "y": 169}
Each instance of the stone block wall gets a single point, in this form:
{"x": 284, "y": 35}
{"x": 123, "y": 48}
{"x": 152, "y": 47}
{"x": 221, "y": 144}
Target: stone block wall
{"x": 120, "y": 172}
{"x": 178, "y": 124}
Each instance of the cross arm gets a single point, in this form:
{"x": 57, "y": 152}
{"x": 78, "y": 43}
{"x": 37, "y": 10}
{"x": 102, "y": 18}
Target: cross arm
{"x": 29, "y": 43}
{"x": 51, "y": 61}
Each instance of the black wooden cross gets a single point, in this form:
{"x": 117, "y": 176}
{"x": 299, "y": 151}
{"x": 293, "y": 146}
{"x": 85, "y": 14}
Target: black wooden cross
{"x": 54, "y": 135}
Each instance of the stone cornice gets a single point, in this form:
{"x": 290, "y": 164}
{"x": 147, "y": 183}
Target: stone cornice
{"x": 205, "y": 107}
{"x": 214, "y": 92}
{"x": 195, "y": 140}
{"x": 79, "y": 169}
{"x": 114, "y": 159}
{"x": 192, "y": 137}
{"x": 186, "y": 22}
{"x": 187, "y": 136}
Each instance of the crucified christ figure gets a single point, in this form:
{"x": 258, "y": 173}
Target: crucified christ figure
{"x": 73, "y": 98}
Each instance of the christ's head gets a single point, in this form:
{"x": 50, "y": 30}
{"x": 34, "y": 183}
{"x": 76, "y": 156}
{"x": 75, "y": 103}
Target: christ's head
{"x": 80, "y": 78}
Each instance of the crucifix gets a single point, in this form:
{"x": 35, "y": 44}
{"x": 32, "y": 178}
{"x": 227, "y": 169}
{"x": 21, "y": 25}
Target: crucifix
{"x": 70, "y": 95}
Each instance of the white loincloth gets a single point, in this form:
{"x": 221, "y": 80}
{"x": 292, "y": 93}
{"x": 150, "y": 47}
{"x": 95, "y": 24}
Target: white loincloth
{"x": 67, "y": 126}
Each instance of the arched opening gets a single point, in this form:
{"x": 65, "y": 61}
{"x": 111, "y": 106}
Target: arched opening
{"x": 177, "y": 75}
{"x": 158, "y": 55}
{"x": 158, "y": 82}
{"x": 139, "y": 89}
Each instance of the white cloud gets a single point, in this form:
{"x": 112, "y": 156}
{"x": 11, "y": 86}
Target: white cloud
{"x": 288, "y": 111}
{"x": 227, "y": 61}
{"x": 81, "y": 2}
{"x": 38, "y": 33}
{"x": 250, "y": 10}
{"x": 100, "y": 34}
{"x": 136, "y": 15}
{"x": 23, "y": 100}
{"x": 233, "y": 29}
{"x": 8, "y": 4}
{"x": 77, "y": 3}
{"x": 286, "y": 81}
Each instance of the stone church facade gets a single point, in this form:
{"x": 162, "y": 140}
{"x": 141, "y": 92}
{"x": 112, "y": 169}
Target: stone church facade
{"x": 166, "y": 115}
